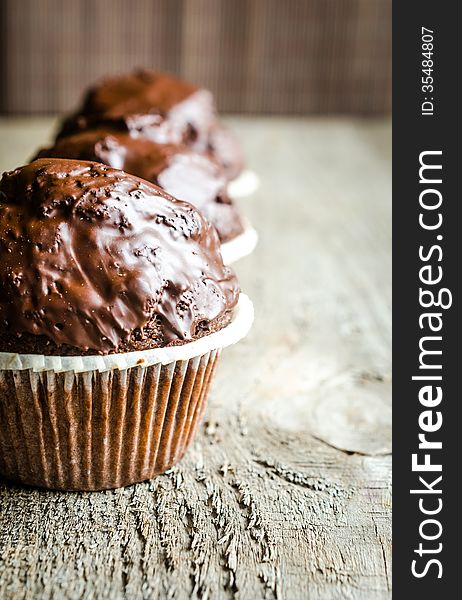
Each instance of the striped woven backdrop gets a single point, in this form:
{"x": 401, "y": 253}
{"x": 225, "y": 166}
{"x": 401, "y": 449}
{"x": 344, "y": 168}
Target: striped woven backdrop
{"x": 257, "y": 56}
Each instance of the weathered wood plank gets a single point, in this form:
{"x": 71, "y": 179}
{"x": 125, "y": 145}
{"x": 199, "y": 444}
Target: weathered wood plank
{"x": 286, "y": 492}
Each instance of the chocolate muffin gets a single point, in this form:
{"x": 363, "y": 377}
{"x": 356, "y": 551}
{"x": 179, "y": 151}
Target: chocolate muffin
{"x": 179, "y": 170}
{"x": 153, "y": 105}
{"x": 161, "y": 108}
{"x": 114, "y": 307}
{"x": 101, "y": 261}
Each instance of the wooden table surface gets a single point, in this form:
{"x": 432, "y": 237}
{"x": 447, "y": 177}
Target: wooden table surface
{"x": 286, "y": 492}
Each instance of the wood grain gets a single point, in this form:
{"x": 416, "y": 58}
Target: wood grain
{"x": 287, "y": 490}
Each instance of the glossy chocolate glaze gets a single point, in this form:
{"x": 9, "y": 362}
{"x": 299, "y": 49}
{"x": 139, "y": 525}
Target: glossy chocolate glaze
{"x": 95, "y": 259}
{"x": 182, "y": 172}
{"x": 153, "y": 105}
{"x": 161, "y": 108}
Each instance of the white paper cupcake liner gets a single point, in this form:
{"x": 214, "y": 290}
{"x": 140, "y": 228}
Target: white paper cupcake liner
{"x": 112, "y": 425}
{"x": 232, "y": 333}
{"x": 240, "y": 246}
{"x": 246, "y": 184}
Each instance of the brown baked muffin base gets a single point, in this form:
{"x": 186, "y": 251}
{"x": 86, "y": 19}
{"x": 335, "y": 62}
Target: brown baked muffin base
{"x": 151, "y": 337}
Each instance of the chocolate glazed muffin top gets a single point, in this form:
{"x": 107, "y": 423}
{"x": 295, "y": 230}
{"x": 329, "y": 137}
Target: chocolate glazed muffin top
{"x": 162, "y": 108}
{"x": 93, "y": 260}
{"x": 154, "y": 105}
{"x": 185, "y": 174}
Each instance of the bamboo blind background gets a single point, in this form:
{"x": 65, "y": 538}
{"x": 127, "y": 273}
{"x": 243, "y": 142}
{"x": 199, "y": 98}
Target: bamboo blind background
{"x": 257, "y": 56}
